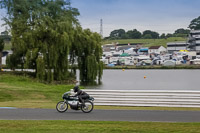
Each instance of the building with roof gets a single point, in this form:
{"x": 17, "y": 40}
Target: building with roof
{"x": 157, "y": 50}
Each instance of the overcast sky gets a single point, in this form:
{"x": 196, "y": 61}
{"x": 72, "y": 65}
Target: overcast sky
{"x": 163, "y": 16}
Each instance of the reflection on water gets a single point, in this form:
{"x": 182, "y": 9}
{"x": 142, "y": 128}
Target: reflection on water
{"x": 155, "y": 80}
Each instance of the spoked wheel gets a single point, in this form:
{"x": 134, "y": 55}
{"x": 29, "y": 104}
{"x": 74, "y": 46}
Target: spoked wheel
{"x": 61, "y": 106}
{"x": 88, "y": 107}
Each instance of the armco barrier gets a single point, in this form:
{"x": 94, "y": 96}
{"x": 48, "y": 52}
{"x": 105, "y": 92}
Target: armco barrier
{"x": 162, "y": 98}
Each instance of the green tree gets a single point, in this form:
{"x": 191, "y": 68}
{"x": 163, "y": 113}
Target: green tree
{"x": 147, "y": 36}
{"x": 153, "y": 34}
{"x": 117, "y": 34}
{"x": 181, "y": 32}
{"x": 44, "y": 33}
{"x": 169, "y": 35}
{"x": 163, "y": 36}
{"x": 17, "y": 20}
{"x": 195, "y": 24}
{"x": 42, "y": 29}
{"x": 134, "y": 34}
{"x": 129, "y": 34}
{"x": 1, "y": 50}
{"x": 12, "y": 62}
{"x": 87, "y": 50}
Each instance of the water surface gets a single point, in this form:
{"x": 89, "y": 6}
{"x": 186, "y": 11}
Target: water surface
{"x": 155, "y": 80}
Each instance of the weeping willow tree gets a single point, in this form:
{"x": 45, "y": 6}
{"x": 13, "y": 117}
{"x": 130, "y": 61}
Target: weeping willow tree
{"x": 45, "y": 33}
{"x": 17, "y": 20}
{"x": 87, "y": 50}
{"x": 42, "y": 33}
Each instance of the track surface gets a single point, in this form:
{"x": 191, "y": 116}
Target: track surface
{"x": 100, "y": 115}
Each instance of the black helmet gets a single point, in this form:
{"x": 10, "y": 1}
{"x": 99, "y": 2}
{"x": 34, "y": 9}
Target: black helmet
{"x": 76, "y": 88}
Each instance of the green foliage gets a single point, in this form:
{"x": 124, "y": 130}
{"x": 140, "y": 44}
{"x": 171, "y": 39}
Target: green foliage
{"x": 195, "y": 24}
{"x": 163, "y": 36}
{"x": 169, "y": 35}
{"x": 43, "y": 35}
{"x": 91, "y": 65}
{"x": 148, "y": 34}
{"x": 119, "y": 34}
{"x": 7, "y": 45}
{"x": 87, "y": 49}
{"x": 12, "y": 61}
{"x": 134, "y": 34}
{"x": 1, "y": 44}
{"x": 1, "y": 49}
{"x": 182, "y": 31}
{"x": 40, "y": 68}
{"x": 100, "y": 70}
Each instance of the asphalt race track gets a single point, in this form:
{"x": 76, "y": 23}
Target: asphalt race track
{"x": 100, "y": 115}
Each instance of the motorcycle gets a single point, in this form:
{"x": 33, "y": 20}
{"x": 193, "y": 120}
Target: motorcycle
{"x": 74, "y": 103}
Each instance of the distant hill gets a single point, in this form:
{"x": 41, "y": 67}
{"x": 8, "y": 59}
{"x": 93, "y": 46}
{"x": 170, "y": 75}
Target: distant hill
{"x": 147, "y": 42}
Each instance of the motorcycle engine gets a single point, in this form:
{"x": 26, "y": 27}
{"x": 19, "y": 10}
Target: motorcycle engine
{"x": 73, "y": 105}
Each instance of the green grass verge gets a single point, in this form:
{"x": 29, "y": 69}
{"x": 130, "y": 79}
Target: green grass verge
{"x": 147, "y": 42}
{"x": 7, "y": 126}
{"x": 25, "y": 92}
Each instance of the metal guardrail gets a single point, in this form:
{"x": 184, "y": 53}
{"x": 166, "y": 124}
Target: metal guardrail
{"x": 145, "y": 98}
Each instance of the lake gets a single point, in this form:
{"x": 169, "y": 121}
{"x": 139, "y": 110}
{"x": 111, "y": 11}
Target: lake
{"x": 133, "y": 79}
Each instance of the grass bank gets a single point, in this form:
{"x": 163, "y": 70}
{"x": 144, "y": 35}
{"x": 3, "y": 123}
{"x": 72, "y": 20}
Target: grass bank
{"x": 7, "y": 126}
{"x": 147, "y": 42}
{"x": 25, "y": 92}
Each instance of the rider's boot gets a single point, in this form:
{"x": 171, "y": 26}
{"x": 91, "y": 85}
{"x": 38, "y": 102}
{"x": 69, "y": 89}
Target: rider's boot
{"x": 83, "y": 103}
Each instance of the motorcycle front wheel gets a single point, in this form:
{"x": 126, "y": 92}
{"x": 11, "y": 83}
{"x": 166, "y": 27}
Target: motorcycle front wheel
{"x": 88, "y": 107}
{"x": 61, "y": 106}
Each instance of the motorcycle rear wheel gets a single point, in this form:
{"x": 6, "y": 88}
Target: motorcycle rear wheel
{"x": 61, "y": 106}
{"x": 88, "y": 107}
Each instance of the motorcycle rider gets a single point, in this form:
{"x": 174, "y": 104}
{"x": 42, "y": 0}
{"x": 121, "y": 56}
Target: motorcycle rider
{"x": 81, "y": 94}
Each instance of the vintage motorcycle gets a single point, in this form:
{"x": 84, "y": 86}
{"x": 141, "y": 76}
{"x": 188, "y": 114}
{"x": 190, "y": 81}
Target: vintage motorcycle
{"x": 74, "y": 103}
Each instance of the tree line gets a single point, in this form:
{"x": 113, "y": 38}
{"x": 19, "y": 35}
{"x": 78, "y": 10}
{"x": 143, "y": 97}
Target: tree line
{"x": 148, "y": 34}
{"x": 47, "y": 37}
